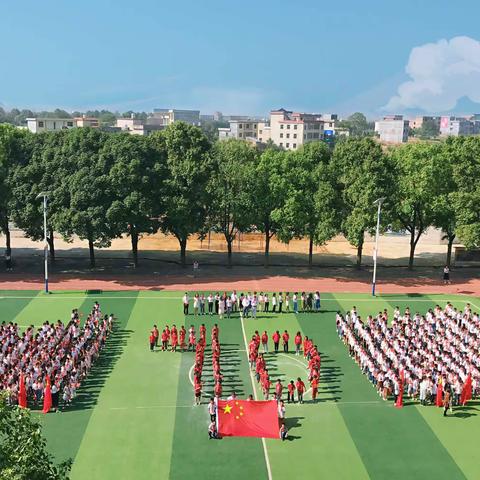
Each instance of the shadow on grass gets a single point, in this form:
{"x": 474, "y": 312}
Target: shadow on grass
{"x": 87, "y": 394}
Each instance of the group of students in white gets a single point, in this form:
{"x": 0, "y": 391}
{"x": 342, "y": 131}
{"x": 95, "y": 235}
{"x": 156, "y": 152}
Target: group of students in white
{"x": 249, "y": 304}
{"x": 423, "y": 355}
{"x": 62, "y": 353}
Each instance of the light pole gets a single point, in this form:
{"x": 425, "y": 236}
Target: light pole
{"x": 44, "y": 195}
{"x": 377, "y": 202}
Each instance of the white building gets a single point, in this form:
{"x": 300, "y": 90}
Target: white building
{"x": 36, "y": 125}
{"x": 167, "y": 116}
{"x": 392, "y": 129}
{"x": 456, "y": 126}
{"x": 290, "y": 130}
{"x": 136, "y": 126}
{"x": 242, "y": 129}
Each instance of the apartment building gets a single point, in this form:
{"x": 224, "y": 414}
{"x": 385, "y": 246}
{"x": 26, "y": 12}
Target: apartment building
{"x": 456, "y": 126}
{"x": 417, "y": 122}
{"x": 36, "y": 125}
{"x": 392, "y": 129}
{"x": 167, "y": 116}
{"x": 290, "y": 129}
{"x": 242, "y": 129}
{"x": 136, "y": 126}
{"x": 85, "y": 121}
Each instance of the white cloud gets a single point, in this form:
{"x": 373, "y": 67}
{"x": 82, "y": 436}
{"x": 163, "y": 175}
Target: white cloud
{"x": 441, "y": 73}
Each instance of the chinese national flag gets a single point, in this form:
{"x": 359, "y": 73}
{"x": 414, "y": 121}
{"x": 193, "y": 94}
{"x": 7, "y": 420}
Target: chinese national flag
{"x": 247, "y": 418}
{"x": 47, "y": 397}
{"x": 466, "y": 391}
{"x": 22, "y": 393}
{"x": 399, "y": 402}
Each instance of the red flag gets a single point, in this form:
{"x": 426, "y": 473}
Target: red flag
{"x": 466, "y": 390}
{"x": 244, "y": 418}
{"x": 22, "y": 393}
{"x": 47, "y": 397}
{"x": 439, "y": 401}
{"x": 399, "y": 402}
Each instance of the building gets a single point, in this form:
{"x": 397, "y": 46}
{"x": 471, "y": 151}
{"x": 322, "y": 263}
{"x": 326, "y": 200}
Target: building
{"x": 263, "y": 132}
{"x": 136, "y": 126}
{"x": 242, "y": 129}
{"x": 392, "y": 129}
{"x": 456, "y": 126}
{"x": 419, "y": 121}
{"x": 85, "y": 121}
{"x": 36, "y": 125}
{"x": 290, "y": 130}
{"x": 165, "y": 116}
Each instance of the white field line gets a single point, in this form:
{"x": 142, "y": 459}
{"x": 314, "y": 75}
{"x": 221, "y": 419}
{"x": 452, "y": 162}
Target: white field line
{"x": 265, "y": 452}
{"x": 324, "y": 300}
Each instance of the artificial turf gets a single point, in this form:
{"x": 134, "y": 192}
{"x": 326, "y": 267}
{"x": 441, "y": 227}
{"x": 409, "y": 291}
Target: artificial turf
{"x": 134, "y": 415}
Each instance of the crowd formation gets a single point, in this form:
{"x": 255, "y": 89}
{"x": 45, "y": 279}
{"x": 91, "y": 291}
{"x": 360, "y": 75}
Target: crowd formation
{"x": 61, "y": 353}
{"x": 249, "y": 304}
{"x": 434, "y": 358}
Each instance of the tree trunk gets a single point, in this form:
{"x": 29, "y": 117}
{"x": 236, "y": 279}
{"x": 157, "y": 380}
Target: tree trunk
{"x": 310, "y": 252}
{"x": 92, "y": 253}
{"x": 359, "y": 253}
{"x": 267, "y": 247}
{"x": 134, "y": 239}
{"x": 412, "y": 249}
{"x": 229, "y": 252}
{"x": 183, "y": 251}
{"x": 51, "y": 245}
{"x": 449, "y": 250}
{"x": 7, "y": 239}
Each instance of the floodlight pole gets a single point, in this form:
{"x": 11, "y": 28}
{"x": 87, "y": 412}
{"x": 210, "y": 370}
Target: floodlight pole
{"x": 378, "y": 202}
{"x": 45, "y": 199}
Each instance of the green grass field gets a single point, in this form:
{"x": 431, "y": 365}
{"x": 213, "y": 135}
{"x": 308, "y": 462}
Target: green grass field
{"x": 134, "y": 415}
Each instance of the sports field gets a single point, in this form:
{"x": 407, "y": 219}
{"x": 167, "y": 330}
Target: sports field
{"x": 134, "y": 415}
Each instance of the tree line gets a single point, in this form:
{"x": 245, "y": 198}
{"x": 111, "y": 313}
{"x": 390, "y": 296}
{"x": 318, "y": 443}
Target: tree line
{"x": 105, "y": 185}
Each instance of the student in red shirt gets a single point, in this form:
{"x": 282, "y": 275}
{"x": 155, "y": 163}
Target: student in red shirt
{"x": 174, "y": 340}
{"x": 183, "y": 334}
{"x": 156, "y": 334}
{"x": 291, "y": 392}
{"x": 298, "y": 343}
{"x": 300, "y": 389}
{"x": 198, "y": 391}
{"x": 314, "y": 385}
{"x": 278, "y": 390}
{"x": 276, "y": 340}
{"x": 285, "y": 338}
{"x": 152, "y": 341}
{"x": 164, "y": 341}
{"x": 265, "y": 341}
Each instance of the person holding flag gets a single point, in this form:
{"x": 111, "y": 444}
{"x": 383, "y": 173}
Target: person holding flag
{"x": 439, "y": 400}
{"x": 466, "y": 391}
{"x": 47, "y": 396}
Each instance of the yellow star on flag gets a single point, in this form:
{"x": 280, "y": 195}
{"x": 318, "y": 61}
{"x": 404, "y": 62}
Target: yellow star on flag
{"x": 227, "y": 409}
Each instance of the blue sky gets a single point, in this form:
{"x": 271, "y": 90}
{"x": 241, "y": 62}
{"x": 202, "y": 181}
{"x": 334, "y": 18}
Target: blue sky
{"x": 236, "y": 57}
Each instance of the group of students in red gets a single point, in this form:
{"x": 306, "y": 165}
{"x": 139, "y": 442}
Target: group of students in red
{"x": 258, "y": 364}
{"x": 174, "y": 339}
{"x": 199, "y": 361}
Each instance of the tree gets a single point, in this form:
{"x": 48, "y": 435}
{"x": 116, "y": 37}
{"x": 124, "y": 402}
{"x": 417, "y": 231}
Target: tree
{"x": 363, "y": 175}
{"x": 231, "y": 188}
{"x": 189, "y": 168}
{"x": 23, "y": 449}
{"x": 268, "y": 193}
{"x": 419, "y": 169}
{"x": 136, "y": 181}
{"x": 310, "y": 206}
{"x": 464, "y": 154}
{"x": 12, "y": 155}
{"x": 357, "y": 125}
{"x": 85, "y": 189}
{"x": 429, "y": 129}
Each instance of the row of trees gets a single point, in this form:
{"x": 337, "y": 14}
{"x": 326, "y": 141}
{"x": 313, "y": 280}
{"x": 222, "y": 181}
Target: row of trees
{"x": 102, "y": 186}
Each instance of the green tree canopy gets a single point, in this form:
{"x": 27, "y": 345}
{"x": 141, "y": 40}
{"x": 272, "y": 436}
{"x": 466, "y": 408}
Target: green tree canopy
{"x": 189, "y": 168}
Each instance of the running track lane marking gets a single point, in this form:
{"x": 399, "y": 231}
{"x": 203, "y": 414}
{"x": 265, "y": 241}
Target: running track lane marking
{"x": 265, "y": 452}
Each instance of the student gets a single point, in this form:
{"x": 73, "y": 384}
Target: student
{"x": 266, "y": 302}
{"x": 265, "y": 341}
{"x": 210, "y": 304}
{"x": 186, "y": 301}
{"x": 278, "y": 390}
{"x": 152, "y": 341}
{"x": 287, "y": 302}
{"x": 283, "y": 432}
{"x": 212, "y": 431}
{"x": 298, "y": 343}
{"x": 196, "y": 304}
{"x": 314, "y": 386}
{"x": 156, "y": 334}
{"x": 281, "y": 412}
{"x": 300, "y": 386}
{"x": 285, "y": 338}
{"x": 295, "y": 302}
{"x": 274, "y": 303}
{"x": 280, "y": 302}
{"x": 317, "y": 301}
{"x": 212, "y": 410}
{"x": 276, "y": 340}
{"x": 202, "y": 304}
{"x": 446, "y": 400}
{"x": 446, "y": 275}
{"x": 291, "y": 392}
